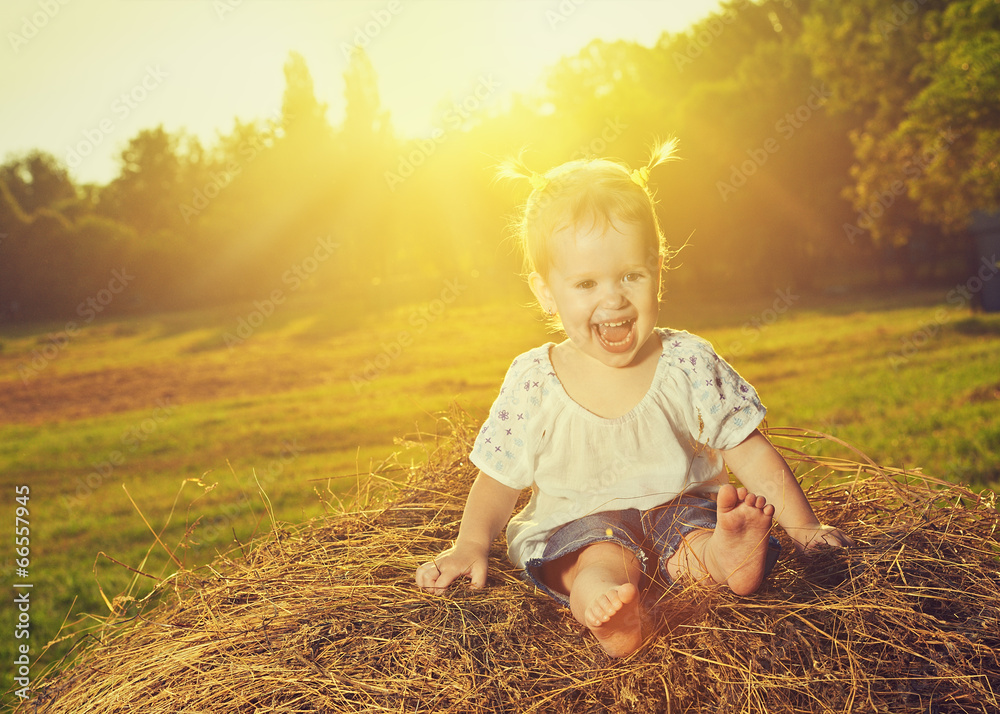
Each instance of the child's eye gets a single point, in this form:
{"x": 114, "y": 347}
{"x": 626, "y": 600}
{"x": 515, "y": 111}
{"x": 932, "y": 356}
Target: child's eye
{"x": 632, "y": 277}
{"x": 585, "y": 284}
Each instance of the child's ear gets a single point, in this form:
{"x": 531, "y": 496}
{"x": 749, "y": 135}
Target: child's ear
{"x": 542, "y": 293}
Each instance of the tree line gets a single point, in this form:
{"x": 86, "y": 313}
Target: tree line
{"x": 824, "y": 143}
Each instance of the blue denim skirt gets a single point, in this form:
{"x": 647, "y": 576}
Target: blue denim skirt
{"x": 652, "y": 536}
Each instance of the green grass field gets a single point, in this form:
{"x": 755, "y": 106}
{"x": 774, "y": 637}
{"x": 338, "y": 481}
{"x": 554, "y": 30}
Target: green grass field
{"x": 176, "y": 423}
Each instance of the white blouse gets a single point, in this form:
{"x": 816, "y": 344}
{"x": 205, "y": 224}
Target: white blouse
{"x": 578, "y": 463}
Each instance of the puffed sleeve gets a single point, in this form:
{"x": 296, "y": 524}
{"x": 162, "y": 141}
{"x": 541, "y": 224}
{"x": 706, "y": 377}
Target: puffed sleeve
{"x": 503, "y": 449}
{"x": 724, "y": 409}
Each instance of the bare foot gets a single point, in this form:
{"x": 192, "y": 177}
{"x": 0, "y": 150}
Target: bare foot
{"x": 735, "y": 553}
{"x": 613, "y": 616}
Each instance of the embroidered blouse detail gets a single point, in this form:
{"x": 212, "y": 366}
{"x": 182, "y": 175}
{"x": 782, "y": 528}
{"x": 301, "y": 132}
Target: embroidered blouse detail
{"x": 577, "y": 463}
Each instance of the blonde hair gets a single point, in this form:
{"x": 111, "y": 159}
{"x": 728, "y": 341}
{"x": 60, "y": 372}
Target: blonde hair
{"x": 601, "y": 191}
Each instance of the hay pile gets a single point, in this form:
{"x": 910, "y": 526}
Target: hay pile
{"x": 325, "y": 618}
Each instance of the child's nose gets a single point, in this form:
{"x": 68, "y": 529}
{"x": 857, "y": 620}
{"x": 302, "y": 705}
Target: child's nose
{"x": 614, "y": 296}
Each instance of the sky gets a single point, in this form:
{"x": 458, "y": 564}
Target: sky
{"x": 79, "y": 78}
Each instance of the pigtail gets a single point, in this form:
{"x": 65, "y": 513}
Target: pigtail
{"x": 515, "y": 168}
{"x": 660, "y": 153}
{"x": 581, "y": 190}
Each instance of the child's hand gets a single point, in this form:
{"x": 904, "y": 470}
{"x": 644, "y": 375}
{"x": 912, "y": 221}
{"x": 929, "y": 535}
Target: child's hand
{"x": 458, "y": 561}
{"x": 820, "y": 535}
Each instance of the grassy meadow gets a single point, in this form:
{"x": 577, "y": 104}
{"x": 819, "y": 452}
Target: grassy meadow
{"x": 177, "y": 423}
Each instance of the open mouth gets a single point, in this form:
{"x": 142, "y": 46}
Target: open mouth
{"x": 616, "y": 336}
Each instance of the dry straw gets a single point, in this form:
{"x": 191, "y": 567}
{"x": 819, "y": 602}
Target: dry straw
{"x": 324, "y": 617}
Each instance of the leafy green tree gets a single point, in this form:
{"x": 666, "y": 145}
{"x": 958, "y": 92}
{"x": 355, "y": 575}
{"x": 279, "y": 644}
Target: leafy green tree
{"x": 303, "y": 165}
{"x": 36, "y": 261}
{"x": 147, "y": 192}
{"x": 37, "y": 180}
{"x": 13, "y": 226}
{"x": 368, "y": 249}
{"x": 756, "y": 193}
{"x": 921, "y": 78}
{"x": 303, "y": 116}
{"x": 365, "y": 119}
{"x": 58, "y": 254}
{"x": 953, "y": 123}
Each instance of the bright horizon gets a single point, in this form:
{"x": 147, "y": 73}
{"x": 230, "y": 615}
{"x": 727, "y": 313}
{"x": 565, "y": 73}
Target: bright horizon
{"x": 79, "y": 74}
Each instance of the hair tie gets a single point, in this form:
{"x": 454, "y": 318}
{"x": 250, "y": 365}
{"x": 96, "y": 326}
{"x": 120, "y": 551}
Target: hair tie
{"x": 538, "y": 182}
{"x": 640, "y": 177}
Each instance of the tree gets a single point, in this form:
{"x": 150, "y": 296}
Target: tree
{"x": 364, "y": 117}
{"x": 953, "y": 122}
{"x": 37, "y": 255}
{"x": 922, "y": 80}
{"x": 303, "y": 117}
{"x": 147, "y": 192}
{"x": 37, "y": 180}
{"x": 13, "y": 227}
{"x": 368, "y": 248}
{"x": 763, "y": 161}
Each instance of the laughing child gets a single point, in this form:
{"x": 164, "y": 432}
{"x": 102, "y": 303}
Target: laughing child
{"x": 623, "y": 430}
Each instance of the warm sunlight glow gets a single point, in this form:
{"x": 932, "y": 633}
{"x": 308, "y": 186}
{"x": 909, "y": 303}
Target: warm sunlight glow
{"x": 224, "y": 59}
{"x": 264, "y": 266}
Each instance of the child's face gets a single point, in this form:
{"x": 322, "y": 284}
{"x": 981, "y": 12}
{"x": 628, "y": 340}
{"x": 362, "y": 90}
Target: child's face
{"x": 604, "y": 282}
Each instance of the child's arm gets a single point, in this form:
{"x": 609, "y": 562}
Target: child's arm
{"x": 759, "y": 467}
{"x": 487, "y": 510}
